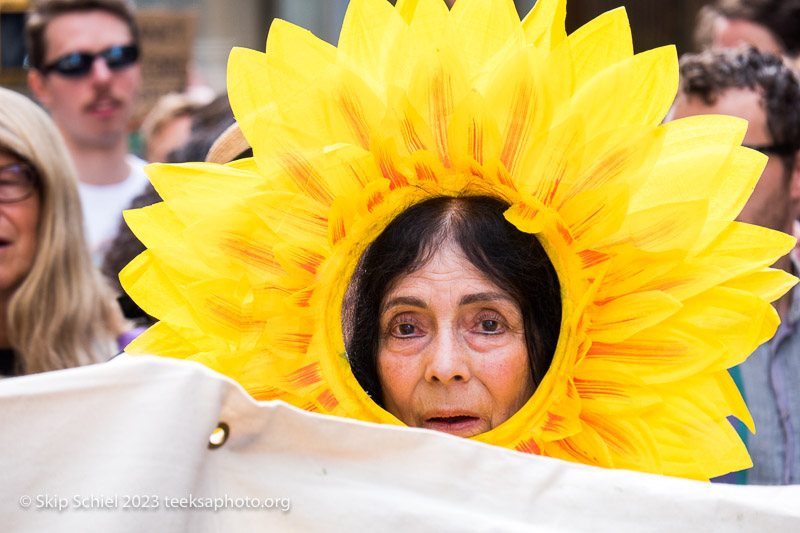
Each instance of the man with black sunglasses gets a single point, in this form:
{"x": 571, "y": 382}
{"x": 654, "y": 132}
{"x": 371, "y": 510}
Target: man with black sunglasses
{"x": 83, "y": 67}
{"x": 764, "y": 90}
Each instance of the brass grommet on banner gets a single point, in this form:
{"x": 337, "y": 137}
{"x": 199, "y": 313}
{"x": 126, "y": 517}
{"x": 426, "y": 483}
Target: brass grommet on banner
{"x": 219, "y": 436}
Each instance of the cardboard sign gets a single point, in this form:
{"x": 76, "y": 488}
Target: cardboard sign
{"x": 167, "y": 38}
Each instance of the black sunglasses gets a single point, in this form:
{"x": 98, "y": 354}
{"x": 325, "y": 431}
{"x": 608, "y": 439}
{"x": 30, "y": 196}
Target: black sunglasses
{"x": 79, "y": 64}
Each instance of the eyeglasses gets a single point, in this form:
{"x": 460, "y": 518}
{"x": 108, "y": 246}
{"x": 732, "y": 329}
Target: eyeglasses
{"x": 17, "y": 182}
{"x": 78, "y": 64}
{"x": 782, "y": 150}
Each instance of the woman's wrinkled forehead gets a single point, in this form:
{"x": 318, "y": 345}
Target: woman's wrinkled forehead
{"x": 433, "y": 248}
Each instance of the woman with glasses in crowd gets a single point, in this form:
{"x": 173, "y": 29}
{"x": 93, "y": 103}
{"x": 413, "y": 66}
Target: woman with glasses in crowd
{"x": 55, "y": 309}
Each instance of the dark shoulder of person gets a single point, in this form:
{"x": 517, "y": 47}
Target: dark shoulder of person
{"x": 7, "y": 359}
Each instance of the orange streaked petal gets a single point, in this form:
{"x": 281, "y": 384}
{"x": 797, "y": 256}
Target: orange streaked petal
{"x": 623, "y": 317}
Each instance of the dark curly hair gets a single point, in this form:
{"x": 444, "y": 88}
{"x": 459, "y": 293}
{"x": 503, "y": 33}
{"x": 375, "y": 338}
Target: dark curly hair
{"x": 710, "y": 73}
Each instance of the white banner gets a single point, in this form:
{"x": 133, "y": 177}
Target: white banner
{"x": 124, "y": 446}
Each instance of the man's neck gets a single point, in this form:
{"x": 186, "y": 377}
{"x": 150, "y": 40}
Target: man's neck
{"x": 100, "y": 166}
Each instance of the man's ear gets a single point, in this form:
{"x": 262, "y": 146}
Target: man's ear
{"x": 36, "y": 84}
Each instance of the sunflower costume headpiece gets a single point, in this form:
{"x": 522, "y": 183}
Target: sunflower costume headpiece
{"x": 248, "y": 263}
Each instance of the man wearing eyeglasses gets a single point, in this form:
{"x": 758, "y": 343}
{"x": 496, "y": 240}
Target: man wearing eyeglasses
{"x": 83, "y": 59}
{"x": 765, "y": 91}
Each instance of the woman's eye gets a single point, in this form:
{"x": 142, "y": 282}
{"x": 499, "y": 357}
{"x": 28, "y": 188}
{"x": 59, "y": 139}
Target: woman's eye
{"x": 490, "y": 325}
{"x": 404, "y": 330}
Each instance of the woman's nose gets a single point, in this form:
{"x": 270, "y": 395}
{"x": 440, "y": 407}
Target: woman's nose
{"x": 447, "y": 361}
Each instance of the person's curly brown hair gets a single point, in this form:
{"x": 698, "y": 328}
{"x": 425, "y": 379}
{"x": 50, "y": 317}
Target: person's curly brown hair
{"x": 708, "y": 74}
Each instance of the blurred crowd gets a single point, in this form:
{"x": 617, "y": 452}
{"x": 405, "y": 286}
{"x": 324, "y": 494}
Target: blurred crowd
{"x": 66, "y": 176}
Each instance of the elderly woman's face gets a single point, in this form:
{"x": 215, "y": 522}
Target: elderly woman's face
{"x": 452, "y": 353}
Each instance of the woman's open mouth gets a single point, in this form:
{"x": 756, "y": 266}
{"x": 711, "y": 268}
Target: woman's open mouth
{"x": 461, "y": 425}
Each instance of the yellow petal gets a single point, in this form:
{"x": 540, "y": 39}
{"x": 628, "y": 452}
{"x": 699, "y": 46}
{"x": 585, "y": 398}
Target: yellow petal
{"x": 742, "y": 248}
{"x": 769, "y": 284}
{"x": 220, "y": 311}
{"x": 629, "y": 441}
{"x": 371, "y": 36}
{"x": 295, "y": 58}
{"x": 600, "y": 43}
{"x": 685, "y": 281}
{"x": 239, "y": 244}
{"x": 250, "y": 90}
{"x": 738, "y": 319}
{"x": 294, "y": 216}
{"x": 623, "y": 317}
{"x": 190, "y": 180}
{"x": 693, "y": 165}
{"x": 631, "y": 269}
{"x": 531, "y": 216}
{"x": 301, "y": 259}
{"x": 165, "y": 340}
{"x": 662, "y": 228}
{"x": 733, "y": 399}
{"x": 154, "y": 288}
{"x": 664, "y": 353}
{"x": 552, "y": 161}
{"x": 473, "y": 131}
{"x": 561, "y": 420}
{"x": 544, "y": 25}
{"x": 291, "y": 336}
{"x": 407, "y": 128}
{"x": 301, "y": 171}
{"x": 483, "y": 28}
{"x": 610, "y": 388}
{"x": 408, "y": 8}
{"x": 439, "y": 84}
{"x": 586, "y": 447}
{"x": 715, "y": 446}
{"x": 155, "y": 225}
{"x": 615, "y": 96}
{"x": 516, "y": 101}
{"x": 623, "y": 155}
{"x": 425, "y": 19}
{"x": 593, "y": 214}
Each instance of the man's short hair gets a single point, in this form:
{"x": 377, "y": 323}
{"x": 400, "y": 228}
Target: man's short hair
{"x": 43, "y": 12}
{"x": 708, "y": 74}
{"x": 780, "y": 17}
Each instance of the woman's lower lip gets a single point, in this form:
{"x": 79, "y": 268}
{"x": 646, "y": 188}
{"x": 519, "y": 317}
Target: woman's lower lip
{"x": 456, "y": 424}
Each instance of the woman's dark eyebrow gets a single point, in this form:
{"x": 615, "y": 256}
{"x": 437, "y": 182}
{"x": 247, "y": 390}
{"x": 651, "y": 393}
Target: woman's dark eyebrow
{"x": 484, "y": 297}
{"x": 465, "y": 300}
{"x": 404, "y": 300}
